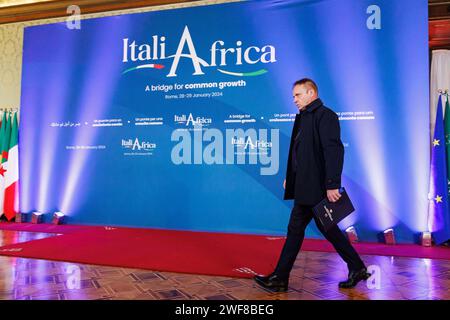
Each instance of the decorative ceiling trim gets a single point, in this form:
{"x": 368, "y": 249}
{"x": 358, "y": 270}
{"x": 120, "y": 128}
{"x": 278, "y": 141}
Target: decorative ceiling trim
{"x": 439, "y": 34}
{"x": 54, "y": 8}
{"x": 438, "y": 10}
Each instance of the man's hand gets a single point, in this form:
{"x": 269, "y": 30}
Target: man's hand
{"x": 333, "y": 195}
{"x": 284, "y": 184}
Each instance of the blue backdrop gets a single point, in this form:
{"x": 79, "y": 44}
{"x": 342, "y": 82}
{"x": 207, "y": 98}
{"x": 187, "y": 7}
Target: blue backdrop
{"x": 181, "y": 119}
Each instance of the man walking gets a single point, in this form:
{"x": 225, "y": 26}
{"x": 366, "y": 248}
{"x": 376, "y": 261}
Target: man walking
{"x": 316, "y": 158}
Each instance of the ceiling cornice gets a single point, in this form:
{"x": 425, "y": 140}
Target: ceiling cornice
{"x": 58, "y": 8}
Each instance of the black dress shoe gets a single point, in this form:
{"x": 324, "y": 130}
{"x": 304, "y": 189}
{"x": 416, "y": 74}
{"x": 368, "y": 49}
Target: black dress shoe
{"x": 272, "y": 282}
{"x": 354, "y": 277}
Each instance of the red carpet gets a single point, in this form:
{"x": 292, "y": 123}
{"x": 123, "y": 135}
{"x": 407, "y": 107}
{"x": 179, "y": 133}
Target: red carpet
{"x": 163, "y": 250}
{"x": 221, "y": 254}
{"x": 379, "y": 249}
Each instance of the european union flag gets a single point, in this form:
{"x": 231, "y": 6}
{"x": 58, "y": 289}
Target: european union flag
{"x": 439, "y": 222}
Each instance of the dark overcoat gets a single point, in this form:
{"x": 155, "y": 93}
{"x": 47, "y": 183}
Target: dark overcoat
{"x": 316, "y": 155}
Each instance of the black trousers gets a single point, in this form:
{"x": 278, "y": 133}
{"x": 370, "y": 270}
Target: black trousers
{"x": 301, "y": 216}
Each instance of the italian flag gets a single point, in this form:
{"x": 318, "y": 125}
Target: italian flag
{"x": 2, "y": 134}
{"x": 10, "y": 162}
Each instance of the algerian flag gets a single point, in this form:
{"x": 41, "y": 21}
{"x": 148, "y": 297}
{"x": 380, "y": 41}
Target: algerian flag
{"x": 11, "y": 202}
{"x": 4, "y": 152}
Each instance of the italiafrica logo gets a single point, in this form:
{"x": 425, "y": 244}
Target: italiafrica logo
{"x": 220, "y": 56}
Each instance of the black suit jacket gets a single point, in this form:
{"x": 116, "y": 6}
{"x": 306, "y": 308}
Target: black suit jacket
{"x": 316, "y": 155}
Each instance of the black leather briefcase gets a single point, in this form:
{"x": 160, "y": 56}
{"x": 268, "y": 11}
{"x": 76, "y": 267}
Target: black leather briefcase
{"x": 331, "y": 213}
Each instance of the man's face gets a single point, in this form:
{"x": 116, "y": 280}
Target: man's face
{"x": 303, "y": 96}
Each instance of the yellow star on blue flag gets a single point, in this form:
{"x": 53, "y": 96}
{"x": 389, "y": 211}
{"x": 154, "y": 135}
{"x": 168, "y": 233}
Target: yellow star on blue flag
{"x": 435, "y": 142}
